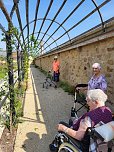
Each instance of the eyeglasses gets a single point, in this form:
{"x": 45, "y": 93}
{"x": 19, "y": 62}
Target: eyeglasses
{"x": 95, "y": 68}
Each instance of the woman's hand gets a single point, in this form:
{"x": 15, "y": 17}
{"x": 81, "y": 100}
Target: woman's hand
{"x": 61, "y": 127}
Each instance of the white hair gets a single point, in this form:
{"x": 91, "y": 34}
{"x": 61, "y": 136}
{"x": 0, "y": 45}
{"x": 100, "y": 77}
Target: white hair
{"x": 96, "y": 65}
{"x": 55, "y": 57}
{"x": 97, "y": 95}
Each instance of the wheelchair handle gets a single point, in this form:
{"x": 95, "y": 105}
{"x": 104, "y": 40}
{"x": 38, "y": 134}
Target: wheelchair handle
{"x": 80, "y": 86}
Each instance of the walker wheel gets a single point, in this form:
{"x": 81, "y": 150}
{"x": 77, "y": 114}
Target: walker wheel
{"x": 43, "y": 85}
{"x": 46, "y": 86}
{"x": 55, "y": 86}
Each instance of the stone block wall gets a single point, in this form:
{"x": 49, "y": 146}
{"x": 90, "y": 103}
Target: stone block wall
{"x": 76, "y": 60}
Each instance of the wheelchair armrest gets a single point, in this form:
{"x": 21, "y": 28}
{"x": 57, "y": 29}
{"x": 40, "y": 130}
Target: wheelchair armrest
{"x": 94, "y": 134}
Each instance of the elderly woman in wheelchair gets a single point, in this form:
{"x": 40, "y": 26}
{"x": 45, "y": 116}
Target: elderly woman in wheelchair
{"x": 83, "y": 134}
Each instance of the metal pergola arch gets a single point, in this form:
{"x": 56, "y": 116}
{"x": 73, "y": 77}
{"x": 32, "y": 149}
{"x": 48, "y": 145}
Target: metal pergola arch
{"x": 45, "y": 32}
{"x": 44, "y": 19}
{"x": 96, "y": 9}
{"x": 38, "y": 39}
{"x": 36, "y": 52}
{"x": 24, "y": 46}
{"x": 37, "y": 6}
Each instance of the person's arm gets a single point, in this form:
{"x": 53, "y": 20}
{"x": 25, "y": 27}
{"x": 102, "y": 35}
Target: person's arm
{"x": 59, "y": 66}
{"x": 79, "y": 134}
{"x": 90, "y": 83}
{"x": 103, "y": 84}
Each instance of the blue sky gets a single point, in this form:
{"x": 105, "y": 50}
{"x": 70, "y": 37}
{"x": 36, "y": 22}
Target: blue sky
{"x": 106, "y": 11}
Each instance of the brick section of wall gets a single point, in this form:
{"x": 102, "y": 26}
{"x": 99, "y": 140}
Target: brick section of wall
{"x": 76, "y": 62}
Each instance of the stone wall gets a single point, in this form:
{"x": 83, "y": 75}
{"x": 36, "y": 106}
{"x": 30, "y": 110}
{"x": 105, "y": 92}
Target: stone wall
{"x": 76, "y": 59}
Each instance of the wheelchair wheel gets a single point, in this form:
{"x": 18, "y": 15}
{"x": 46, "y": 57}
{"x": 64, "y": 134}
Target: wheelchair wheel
{"x": 67, "y": 147}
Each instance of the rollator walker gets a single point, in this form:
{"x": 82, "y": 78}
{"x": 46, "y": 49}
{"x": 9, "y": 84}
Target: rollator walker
{"x": 49, "y": 81}
{"x": 79, "y": 101}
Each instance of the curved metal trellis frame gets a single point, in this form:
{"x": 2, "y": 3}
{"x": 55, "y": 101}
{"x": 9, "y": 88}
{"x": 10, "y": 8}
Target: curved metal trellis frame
{"x": 38, "y": 39}
{"x": 38, "y": 46}
{"x": 93, "y": 11}
{"x": 44, "y": 19}
{"x": 99, "y": 14}
{"x": 41, "y": 32}
{"x": 77, "y": 6}
{"x": 25, "y": 45}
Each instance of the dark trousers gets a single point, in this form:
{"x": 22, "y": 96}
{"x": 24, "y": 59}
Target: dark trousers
{"x": 56, "y": 77}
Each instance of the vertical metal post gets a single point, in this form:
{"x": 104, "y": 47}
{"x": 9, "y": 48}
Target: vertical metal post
{"x": 22, "y": 65}
{"x": 18, "y": 65}
{"x": 10, "y": 76}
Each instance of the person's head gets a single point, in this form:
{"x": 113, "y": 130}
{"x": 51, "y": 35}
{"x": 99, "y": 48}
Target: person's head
{"x": 96, "y": 98}
{"x": 55, "y": 58}
{"x": 96, "y": 68}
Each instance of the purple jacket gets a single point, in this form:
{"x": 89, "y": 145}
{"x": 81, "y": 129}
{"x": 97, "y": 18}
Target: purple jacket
{"x": 97, "y": 83}
{"x": 99, "y": 114}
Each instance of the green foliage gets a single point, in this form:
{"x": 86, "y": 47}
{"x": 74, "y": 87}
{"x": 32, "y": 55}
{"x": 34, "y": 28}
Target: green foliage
{"x": 43, "y": 71}
{"x": 15, "y": 66}
{"x": 18, "y": 96}
{"x": 5, "y": 115}
{"x": 33, "y": 49}
{"x": 26, "y": 65}
{"x": 3, "y": 71}
{"x": 2, "y": 93}
{"x": 12, "y": 32}
{"x": 2, "y": 58}
{"x": 66, "y": 87}
{"x": 19, "y": 92}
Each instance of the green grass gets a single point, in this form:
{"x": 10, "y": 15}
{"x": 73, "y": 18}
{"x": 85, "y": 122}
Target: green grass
{"x": 3, "y": 71}
{"x": 66, "y": 87}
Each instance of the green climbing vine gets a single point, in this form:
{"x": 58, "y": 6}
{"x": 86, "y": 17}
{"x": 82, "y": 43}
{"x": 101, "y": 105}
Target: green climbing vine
{"x": 33, "y": 49}
{"x": 13, "y": 104}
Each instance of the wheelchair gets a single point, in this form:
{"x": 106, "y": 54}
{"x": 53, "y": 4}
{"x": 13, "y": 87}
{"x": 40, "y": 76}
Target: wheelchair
{"x": 49, "y": 81}
{"x": 94, "y": 137}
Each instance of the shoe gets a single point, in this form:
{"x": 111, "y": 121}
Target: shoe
{"x": 53, "y": 148}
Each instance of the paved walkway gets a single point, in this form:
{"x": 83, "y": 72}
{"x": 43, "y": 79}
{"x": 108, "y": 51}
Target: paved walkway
{"x": 43, "y": 109}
